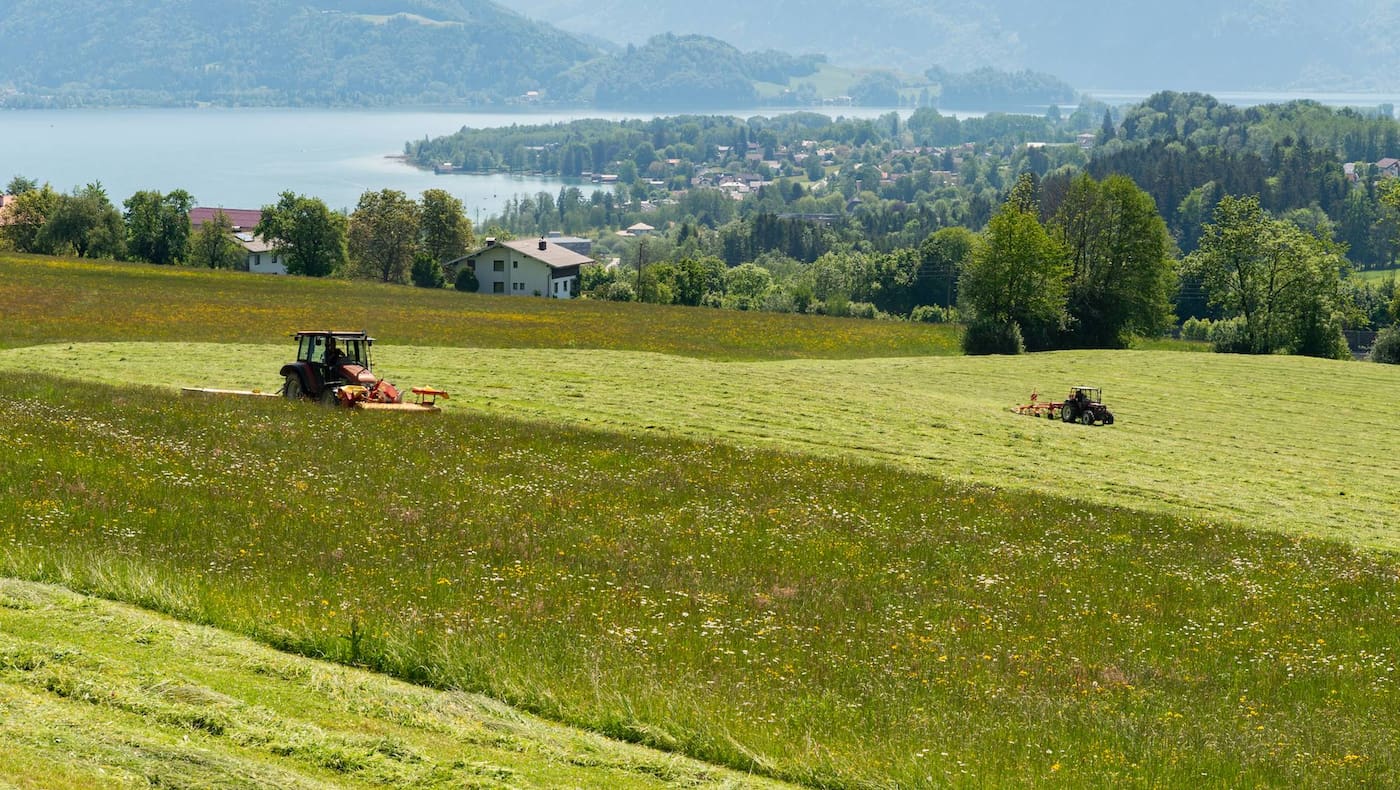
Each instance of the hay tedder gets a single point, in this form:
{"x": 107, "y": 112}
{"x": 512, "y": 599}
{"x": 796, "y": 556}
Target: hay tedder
{"x": 334, "y": 368}
{"x": 1083, "y": 405}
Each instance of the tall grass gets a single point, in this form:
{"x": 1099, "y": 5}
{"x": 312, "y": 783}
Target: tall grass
{"x": 836, "y": 622}
{"x": 46, "y": 300}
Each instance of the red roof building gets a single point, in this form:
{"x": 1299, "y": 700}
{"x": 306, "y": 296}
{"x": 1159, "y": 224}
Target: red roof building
{"x": 242, "y": 218}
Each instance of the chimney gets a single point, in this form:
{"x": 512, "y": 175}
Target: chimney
{"x": 543, "y": 244}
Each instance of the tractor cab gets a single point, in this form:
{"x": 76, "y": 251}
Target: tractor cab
{"x": 327, "y": 361}
{"x": 1085, "y": 405}
{"x": 334, "y": 348}
{"x": 1086, "y": 395}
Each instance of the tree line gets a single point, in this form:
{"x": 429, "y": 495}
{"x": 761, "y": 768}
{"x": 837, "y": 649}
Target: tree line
{"x": 389, "y": 237}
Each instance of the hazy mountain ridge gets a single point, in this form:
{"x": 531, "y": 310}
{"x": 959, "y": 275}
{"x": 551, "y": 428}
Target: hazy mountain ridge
{"x": 351, "y": 51}
{"x": 1191, "y": 44}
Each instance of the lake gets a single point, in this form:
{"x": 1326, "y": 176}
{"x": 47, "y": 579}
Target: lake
{"x": 244, "y": 158}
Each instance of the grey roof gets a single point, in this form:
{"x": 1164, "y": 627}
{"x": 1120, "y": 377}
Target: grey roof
{"x": 554, "y": 255}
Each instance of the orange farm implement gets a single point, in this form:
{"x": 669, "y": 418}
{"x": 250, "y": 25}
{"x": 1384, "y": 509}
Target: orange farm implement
{"x": 1083, "y": 405}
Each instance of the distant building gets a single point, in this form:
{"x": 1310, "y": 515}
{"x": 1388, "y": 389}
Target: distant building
{"x": 6, "y": 201}
{"x": 1389, "y": 167}
{"x": 536, "y": 267}
{"x": 577, "y": 244}
{"x": 240, "y": 218}
{"x": 259, "y": 256}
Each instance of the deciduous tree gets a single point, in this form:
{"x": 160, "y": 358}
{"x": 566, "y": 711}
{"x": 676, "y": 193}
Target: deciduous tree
{"x": 86, "y": 224}
{"x": 1121, "y": 272}
{"x": 158, "y": 226}
{"x": 213, "y": 247}
{"x": 1016, "y": 276}
{"x": 27, "y": 216}
{"x": 384, "y": 234}
{"x": 941, "y": 258}
{"x": 308, "y": 235}
{"x": 447, "y": 233}
{"x": 1282, "y": 283}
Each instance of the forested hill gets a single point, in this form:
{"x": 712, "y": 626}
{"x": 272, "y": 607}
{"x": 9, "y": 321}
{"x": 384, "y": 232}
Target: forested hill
{"x": 352, "y": 52}
{"x": 277, "y": 51}
{"x": 1200, "y": 44}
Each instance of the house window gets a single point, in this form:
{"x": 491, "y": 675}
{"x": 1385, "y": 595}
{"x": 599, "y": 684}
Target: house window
{"x": 498, "y": 288}
{"x": 257, "y": 260}
{"x": 515, "y": 264}
{"x": 498, "y": 266}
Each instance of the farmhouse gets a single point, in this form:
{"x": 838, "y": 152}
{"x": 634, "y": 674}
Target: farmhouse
{"x": 259, "y": 256}
{"x": 525, "y": 268}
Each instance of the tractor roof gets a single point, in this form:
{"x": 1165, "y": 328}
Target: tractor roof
{"x": 345, "y": 333}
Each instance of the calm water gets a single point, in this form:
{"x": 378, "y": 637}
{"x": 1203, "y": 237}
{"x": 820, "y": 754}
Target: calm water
{"x": 244, "y": 158}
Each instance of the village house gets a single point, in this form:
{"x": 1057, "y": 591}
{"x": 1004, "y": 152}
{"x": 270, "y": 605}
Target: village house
{"x": 1388, "y": 167}
{"x": 524, "y": 268}
{"x": 259, "y": 256}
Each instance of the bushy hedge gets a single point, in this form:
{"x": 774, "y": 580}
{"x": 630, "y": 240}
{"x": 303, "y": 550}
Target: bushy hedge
{"x": 1386, "y": 349}
{"x": 992, "y": 337}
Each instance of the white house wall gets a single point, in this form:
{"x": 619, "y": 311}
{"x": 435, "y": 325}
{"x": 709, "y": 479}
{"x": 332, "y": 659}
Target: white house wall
{"x": 266, "y": 263}
{"x": 521, "y": 275}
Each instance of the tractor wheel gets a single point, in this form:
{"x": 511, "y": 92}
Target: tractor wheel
{"x": 291, "y": 389}
{"x": 1087, "y": 417}
{"x": 1067, "y": 413}
{"x": 329, "y": 398}
{"x": 1108, "y": 418}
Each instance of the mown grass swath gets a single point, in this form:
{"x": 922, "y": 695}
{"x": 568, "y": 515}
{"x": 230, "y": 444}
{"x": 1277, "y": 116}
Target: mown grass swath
{"x": 1273, "y": 442}
{"x": 99, "y": 694}
{"x": 46, "y": 300}
{"x": 837, "y": 622}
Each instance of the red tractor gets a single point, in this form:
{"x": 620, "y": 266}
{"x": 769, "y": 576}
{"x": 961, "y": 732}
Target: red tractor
{"x": 1085, "y": 405}
{"x": 334, "y": 367}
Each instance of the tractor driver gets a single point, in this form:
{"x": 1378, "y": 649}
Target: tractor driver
{"x": 333, "y": 353}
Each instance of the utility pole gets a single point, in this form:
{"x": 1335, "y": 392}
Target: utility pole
{"x": 641, "y": 261}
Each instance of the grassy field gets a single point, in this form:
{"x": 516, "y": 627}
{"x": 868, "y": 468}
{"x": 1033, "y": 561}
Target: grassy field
{"x": 837, "y": 570}
{"x": 45, "y": 300}
{"x": 1286, "y": 443}
{"x": 830, "y": 622}
{"x": 1377, "y": 275}
{"x": 97, "y": 694}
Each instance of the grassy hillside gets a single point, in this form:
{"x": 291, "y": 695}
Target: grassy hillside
{"x": 837, "y": 623}
{"x": 785, "y": 564}
{"x": 1285, "y": 443}
{"x": 67, "y": 52}
{"x": 96, "y": 694}
{"x": 46, "y": 300}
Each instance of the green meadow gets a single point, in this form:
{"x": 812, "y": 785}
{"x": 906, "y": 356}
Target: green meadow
{"x": 99, "y": 694}
{"x": 1377, "y": 275}
{"x": 840, "y": 561}
{"x": 1298, "y": 445}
